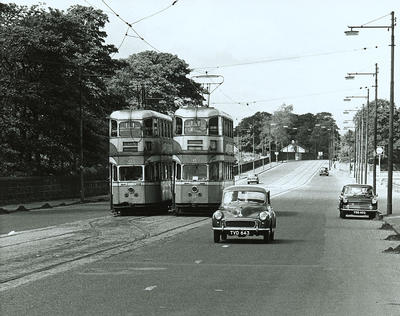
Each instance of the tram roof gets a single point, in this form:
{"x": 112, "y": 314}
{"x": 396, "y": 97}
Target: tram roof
{"x": 137, "y": 115}
{"x": 188, "y": 112}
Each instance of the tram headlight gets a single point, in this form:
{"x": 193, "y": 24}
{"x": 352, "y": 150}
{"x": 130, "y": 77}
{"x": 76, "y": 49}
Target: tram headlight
{"x": 218, "y": 215}
{"x": 263, "y": 216}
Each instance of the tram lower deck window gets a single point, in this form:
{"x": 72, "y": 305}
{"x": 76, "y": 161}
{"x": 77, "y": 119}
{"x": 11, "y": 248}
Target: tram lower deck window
{"x": 195, "y": 172}
{"x": 130, "y": 173}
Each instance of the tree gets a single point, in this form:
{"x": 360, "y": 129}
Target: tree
{"x": 155, "y": 81}
{"x": 249, "y": 126}
{"x": 52, "y": 64}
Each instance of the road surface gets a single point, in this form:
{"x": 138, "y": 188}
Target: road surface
{"x": 319, "y": 264}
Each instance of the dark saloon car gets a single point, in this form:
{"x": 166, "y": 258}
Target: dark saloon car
{"x": 245, "y": 211}
{"x": 358, "y": 199}
{"x": 324, "y": 171}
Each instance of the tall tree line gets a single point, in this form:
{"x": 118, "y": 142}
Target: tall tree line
{"x": 272, "y": 132}
{"x": 55, "y": 68}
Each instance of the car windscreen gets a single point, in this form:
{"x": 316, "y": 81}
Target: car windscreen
{"x": 358, "y": 191}
{"x": 243, "y": 196}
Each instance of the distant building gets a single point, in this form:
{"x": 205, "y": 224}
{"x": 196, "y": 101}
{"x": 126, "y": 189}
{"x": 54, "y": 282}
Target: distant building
{"x": 294, "y": 148}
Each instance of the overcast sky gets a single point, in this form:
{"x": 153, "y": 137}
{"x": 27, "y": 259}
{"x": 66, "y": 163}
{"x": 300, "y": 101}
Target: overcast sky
{"x": 294, "y": 51}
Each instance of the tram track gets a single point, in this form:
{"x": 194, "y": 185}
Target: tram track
{"x": 25, "y": 269}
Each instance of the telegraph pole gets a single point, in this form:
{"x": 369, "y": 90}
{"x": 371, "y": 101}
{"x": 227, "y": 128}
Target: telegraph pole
{"x": 82, "y": 184}
{"x": 375, "y": 127}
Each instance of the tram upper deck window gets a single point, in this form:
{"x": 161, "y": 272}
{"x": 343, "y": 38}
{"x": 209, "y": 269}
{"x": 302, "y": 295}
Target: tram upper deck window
{"x": 130, "y": 129}
{"x": 148, "y": 127}
{"x": 178, "y": 126}
{"x": 213, "y": 126}
{"x": 130, "y": 173}
{"x": 195, "y": 172}
{"x": 114, "y": 128}
{"x": 196, "y": 127}
{"x": 227, "y": 127}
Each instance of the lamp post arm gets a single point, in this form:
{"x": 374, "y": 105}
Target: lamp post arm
{"x": 361, "y": 73}
{"x": 369, "y": 26}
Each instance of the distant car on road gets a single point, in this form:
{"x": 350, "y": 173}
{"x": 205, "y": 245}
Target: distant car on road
{"x": 245, "y": 211}
{"x": 358, "y": 199}
{"x": 324, "y": 171}
{"x": 253, "y": 178}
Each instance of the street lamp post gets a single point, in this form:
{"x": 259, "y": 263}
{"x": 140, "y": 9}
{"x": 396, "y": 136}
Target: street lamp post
{"x": 363, "y": 153}
{"x": 391, "y": 110}
{"x": 350, "y": 75}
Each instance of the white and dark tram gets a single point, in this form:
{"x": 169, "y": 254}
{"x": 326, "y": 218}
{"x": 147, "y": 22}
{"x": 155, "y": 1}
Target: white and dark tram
{"x": 141, "y": 166}
{"x": 203, "y": 150}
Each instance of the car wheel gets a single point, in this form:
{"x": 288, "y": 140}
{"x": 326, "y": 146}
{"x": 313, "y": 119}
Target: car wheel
{"x": 217, "y": 236}
{"x": 372, "y": 216}
{"x": 342, "y": 214}
{"x": 258, "y": 182}
{"x": 248, "y": 182}
{"x": 178, "y": 211}
{"x": 266, "y": 237}
{"x": 224, "y": 236}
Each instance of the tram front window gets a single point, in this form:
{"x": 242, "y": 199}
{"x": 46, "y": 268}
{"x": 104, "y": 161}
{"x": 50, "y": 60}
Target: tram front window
{"x": 130, "y": 173}
{"x": 195, "y": 172}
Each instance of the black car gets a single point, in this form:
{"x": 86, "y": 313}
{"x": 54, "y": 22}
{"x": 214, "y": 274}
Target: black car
{"x": 358, "y": 199}
{"x": 245, "y": 211}
{"x": 324, "y": 171}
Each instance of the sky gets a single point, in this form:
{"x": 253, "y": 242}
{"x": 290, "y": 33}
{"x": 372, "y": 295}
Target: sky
{"x": 268, "y": 52}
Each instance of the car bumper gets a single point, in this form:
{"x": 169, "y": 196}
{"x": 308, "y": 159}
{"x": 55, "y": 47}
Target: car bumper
{"x": 251, "y": 230}
{"x": 358, "y": 211}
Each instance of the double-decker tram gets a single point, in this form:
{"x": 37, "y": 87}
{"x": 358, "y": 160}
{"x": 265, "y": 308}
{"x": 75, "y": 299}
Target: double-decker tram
{"x": 141, "y": 160}
{"x": 203, "y": 147}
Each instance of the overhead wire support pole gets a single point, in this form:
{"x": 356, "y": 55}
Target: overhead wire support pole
{"x": 375, "y": 128}
{"x": 391, "y": 106}
{"x": 366, "y": 140}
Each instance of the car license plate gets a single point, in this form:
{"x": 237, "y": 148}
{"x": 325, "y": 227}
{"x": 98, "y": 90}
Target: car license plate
{"x": 359, "y": 212}
{"x": 240, "y": 233}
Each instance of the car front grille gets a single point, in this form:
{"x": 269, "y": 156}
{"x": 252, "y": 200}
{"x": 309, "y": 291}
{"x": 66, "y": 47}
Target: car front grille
{"x": 361, "y": 206}
{"x": 240, "y": 224}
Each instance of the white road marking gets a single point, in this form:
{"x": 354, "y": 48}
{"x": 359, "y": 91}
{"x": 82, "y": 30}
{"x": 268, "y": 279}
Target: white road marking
{"x": 198, "y": 261}
{"x": 218, "y": 290}
{"x": 225, "y": 246}
{"x": 150, "y": 288}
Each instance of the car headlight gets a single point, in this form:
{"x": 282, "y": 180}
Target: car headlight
{"x": 374, "y": 201}
{"x": 345, "y": 200}
{"x": 218, "y": 215}
{"x": 263, "y": 216}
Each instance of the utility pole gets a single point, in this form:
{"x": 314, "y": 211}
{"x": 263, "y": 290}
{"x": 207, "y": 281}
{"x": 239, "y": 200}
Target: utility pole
{"x": 391, "y": 109}
{"x": 375, "y": 127}
{"x": 366, "y": 139}
{"x": 82, "y": 184}
{"x": 390, "y": 140}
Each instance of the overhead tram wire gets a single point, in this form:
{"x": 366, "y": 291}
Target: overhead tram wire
{"x": 130, "y": 26}
{"x": 282, "y": 98}
{"x": 262, "y": 61}
{"x": 155, "y": 13}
